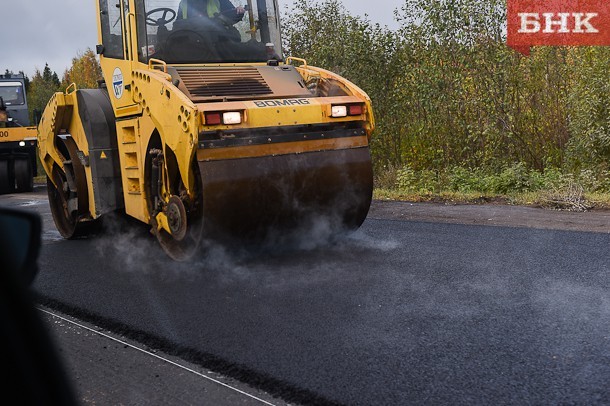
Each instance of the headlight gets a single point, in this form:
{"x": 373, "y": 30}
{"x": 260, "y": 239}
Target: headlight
{"x": 22, "y": 143}
{"x": 339, "y": 111}
{"x": 231, "y": 117}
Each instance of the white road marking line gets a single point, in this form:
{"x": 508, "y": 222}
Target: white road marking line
{"x": 32, "y": 203}
{"x": 156, "y": 356}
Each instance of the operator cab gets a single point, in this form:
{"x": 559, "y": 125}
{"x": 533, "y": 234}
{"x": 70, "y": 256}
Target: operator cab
{"x": 236, "y": 31}
{"x": 13, "y": 107}
{"x": 12, "y": 93}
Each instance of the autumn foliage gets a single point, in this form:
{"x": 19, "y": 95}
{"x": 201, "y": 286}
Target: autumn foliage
{"x": 449, "y": 94}
{"x": 85, "y": 71}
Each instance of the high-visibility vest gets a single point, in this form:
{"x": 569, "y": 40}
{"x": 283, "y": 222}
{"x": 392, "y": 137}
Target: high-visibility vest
{"x": 212, "y": 9}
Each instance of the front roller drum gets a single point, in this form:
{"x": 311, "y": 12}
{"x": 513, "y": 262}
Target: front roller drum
{"x": 259, "y": 199}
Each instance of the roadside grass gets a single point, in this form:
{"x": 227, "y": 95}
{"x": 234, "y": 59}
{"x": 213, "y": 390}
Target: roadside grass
{"x": 590, "y": 201}
{"x": 512, "y": 185}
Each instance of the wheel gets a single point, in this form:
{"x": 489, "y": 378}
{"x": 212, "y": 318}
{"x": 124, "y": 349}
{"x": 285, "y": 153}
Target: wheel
{"x": 63, "y": 204}
{"x": 186, "y": 222}
{"x": 23, "y": 175}
{"x": 7, "y": 181}
{"x": 69, "y": 196}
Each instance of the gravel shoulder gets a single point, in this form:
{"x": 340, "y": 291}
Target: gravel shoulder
{"x": 493, "y": 215}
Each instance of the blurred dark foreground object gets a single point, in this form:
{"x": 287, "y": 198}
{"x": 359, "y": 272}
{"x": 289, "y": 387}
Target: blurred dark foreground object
{"x": 31, "y": 371}
{"x": 19, "y": 244}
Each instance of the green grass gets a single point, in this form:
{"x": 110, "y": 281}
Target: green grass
{"x": 514, "y": 185}
{"x": 588, "y": 201}
{"x": 597, "y": 201}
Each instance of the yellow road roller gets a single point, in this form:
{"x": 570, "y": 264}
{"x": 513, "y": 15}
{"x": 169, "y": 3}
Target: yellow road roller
{"x": 17, "y": 137}
{"x": 203, "y": 130}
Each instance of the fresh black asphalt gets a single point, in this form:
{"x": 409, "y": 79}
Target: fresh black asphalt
{"x": 401, "y": 312}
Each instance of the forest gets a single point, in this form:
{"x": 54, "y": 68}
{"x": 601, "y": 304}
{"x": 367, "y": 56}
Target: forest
{"x": 457, "y": 110}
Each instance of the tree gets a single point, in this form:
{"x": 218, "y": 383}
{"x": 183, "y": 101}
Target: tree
{"x": 42, "y": 86}
{"x": 447, "y": 92}
{"x": 84, "y": 72}
{"x": 326, "y": 35}
{"x": 50, "y": 77}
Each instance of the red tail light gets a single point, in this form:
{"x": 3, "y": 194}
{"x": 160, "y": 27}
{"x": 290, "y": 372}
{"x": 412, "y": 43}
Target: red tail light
{"x": 355, "y": 109}
{"x": 213, "y": 118}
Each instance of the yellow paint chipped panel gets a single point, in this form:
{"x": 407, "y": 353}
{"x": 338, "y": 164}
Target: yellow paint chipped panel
{"x": 13, "y": 134}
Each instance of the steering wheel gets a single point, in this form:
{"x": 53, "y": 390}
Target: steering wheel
{"x": 163, "y": 19}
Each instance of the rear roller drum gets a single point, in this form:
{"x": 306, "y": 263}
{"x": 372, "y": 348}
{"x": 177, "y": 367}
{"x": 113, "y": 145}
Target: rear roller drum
{"x": 63, "y": 204}
{"x": 68, "y": 196}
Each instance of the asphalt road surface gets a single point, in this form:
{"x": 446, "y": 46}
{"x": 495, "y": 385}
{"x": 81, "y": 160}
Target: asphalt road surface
{"x": 425, "y": 304}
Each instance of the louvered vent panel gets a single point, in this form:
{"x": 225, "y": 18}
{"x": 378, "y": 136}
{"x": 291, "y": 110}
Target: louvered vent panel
{"x": 207, "y": 82}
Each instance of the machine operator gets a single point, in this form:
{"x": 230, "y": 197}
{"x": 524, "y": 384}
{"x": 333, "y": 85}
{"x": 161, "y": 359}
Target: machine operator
{"x": 210, "y": 8}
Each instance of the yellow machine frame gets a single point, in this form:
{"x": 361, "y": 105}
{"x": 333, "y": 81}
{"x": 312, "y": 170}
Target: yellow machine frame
{"x": 152, "y": 106}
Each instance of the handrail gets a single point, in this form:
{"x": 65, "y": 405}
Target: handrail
{"x": 158, "y": 62}
{"x": 72, "y": 85}
{"x": 253, "y": 27}
{"x": 292, "y": 58}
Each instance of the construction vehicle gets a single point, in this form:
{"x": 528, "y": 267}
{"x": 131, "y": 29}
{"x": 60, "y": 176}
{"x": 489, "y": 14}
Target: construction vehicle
{"x": 17, "y": 137}
{"x": 202, "y": 131}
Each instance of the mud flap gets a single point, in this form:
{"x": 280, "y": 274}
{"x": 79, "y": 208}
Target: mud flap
{"x": 97, "y": 117}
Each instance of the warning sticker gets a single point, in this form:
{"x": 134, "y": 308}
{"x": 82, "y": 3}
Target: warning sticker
{"x": 117, "y": 83}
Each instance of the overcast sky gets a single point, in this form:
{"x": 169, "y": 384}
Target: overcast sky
{"x": 35, "y": 32}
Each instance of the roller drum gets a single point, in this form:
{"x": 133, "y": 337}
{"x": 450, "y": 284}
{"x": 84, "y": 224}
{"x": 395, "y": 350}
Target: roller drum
{"x": 255, "y": 199}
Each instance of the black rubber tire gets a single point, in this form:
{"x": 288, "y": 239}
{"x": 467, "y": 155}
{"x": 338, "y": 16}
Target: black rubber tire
{"x": 24, "y": 178}
{"x": 64, "y": 221}
{"x": 67, "y": 223}
{"x": 7, "y": 181}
